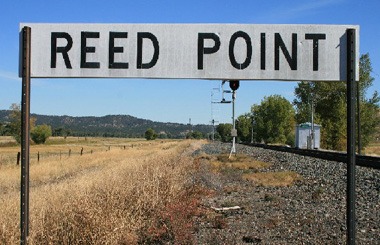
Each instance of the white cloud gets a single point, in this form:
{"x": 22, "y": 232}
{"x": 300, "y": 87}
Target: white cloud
{"x": 9, "y": 75}
{"x": 313, "y": 5}
{"x": 305, "y": 8}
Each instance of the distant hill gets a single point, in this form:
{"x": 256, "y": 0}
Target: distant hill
{"x": 111, "y": 126}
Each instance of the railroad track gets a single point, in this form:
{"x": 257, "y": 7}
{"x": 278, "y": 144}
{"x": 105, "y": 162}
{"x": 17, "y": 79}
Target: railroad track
{"x": 363, "y": 161}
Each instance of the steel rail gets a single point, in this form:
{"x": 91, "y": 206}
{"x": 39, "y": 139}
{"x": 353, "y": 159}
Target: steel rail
{"x": 361, "y": 160}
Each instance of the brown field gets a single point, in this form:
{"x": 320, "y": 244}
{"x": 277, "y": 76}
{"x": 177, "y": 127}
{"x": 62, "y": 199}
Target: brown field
{"x": 108, "y": 195}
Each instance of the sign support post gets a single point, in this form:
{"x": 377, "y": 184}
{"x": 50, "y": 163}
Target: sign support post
{"x": 25, "y": 128}
{"x": 351, "y": 156}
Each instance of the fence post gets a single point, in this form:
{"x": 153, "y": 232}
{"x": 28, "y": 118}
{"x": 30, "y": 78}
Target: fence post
{"x": 38, "y": 156}
{"x": 18, "y": 158}
{"x": 81, "y": 151}
{"x": 69, "y": 152}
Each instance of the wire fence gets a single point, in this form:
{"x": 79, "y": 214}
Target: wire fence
{"x": 15, "y": 157}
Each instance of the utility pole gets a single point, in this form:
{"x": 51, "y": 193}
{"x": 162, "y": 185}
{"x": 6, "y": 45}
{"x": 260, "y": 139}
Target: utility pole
{"x": 215, "y": 91}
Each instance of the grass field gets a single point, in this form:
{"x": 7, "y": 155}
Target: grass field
{"x": 118, "y": 192}
{"x": 59, "y": 147}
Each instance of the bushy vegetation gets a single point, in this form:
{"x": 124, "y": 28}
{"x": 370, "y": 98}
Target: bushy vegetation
{"x": 195, "y": 135}
{"x": 224, "y": 131}
{"x": 244, "y": 127}
{"x": 275, "y": 118}
{"x": 329, "y": 100}
{"x": 40, "y": 133}
{"x": 150, "y": 134}
{"x": 13, "y": 127}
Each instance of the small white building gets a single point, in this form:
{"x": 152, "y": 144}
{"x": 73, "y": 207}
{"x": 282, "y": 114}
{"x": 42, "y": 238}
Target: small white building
{"x": 304, "y": 138}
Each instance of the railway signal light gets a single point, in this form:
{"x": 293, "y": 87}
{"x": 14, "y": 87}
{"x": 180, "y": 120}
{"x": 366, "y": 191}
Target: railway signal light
{"x": 234, "y": 84}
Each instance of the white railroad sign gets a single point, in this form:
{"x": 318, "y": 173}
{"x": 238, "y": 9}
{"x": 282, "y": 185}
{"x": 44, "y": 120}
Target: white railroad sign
{"x": 194, "y": 51}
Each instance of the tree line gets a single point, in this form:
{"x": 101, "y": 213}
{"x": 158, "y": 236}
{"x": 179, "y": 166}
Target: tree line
{"x": 274, "y": 119}
{"x": 122, "y": 126}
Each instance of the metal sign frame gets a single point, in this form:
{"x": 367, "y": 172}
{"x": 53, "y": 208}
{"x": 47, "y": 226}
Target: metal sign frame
{"x": 190, "y": 51}
{"x": 351, "y": 68}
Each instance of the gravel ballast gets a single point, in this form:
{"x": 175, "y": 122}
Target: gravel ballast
{"x": 311, "y": 211}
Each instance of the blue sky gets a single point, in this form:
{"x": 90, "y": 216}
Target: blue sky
{"x": 166, "y": 100}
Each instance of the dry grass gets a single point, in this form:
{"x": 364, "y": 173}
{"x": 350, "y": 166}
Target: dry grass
{"x": 243, "y": 162}
{"x": 60, "y": 148}
{"x": 239, "y": 161}
{"x": 117, "y": 196}
{"x": 373, "y": 149}
{"x": 7, "y": 141}
{"x": 277, "y": 179}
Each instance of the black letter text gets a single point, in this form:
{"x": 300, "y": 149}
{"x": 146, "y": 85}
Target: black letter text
{"x": 206, "y": 50}
{"x": 153, "y": 39}
{"x": 315, "y": 37}
{"x": 279, "y": 43}
{"x": 84, "y": 50}
{"x": 247, "y": 40}
{"x": 63, "y": 50}
{"x": 112, "y": 50}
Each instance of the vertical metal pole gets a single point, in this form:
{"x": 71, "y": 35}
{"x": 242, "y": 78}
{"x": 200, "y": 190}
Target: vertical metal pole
{"x": 233, "y": 108}
{"x": 351, "y": 99}
{"x": 312, "y": 123}
{"x": 213, "y": 130}
{"x": 233, "y": 149}
{"x": 25, "y": 127}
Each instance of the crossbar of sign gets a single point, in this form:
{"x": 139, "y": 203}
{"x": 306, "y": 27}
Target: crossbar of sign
{"x": 193, "y": 51}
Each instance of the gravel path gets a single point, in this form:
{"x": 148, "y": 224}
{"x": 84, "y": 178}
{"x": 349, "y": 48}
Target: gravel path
{"x": 312, "y": 211}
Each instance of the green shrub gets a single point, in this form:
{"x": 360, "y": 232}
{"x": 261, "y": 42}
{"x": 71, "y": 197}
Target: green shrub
{"x": 150, "y": 134}
{"x": 40, "y": 133}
